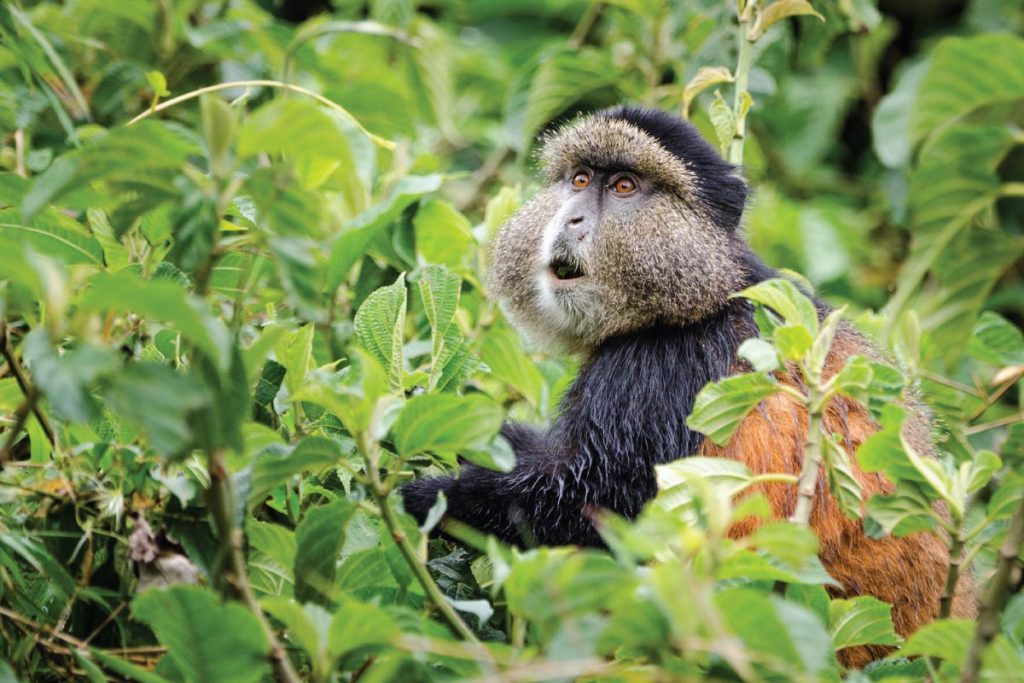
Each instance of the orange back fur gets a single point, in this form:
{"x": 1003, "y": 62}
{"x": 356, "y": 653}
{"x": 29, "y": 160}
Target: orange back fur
{"x": 910, "y": 572}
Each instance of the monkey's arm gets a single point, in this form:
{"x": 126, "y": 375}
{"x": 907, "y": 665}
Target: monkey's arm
{"x": 539, "y": 501}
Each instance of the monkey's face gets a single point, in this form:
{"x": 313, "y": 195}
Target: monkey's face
{"x": 618, "y": 239}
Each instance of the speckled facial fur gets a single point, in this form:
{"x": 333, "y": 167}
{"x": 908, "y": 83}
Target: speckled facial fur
{"x": 672, "y": 258}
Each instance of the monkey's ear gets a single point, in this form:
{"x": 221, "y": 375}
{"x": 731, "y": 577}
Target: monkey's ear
{"x": 725, "y": 196}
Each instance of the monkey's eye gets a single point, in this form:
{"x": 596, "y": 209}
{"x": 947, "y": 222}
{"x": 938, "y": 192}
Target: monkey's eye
{"x": 580, "y": 179}
{"x": 624, "y": 185}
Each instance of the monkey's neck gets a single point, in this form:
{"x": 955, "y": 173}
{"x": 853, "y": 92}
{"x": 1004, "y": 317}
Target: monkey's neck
{"x": 627, "y": 408}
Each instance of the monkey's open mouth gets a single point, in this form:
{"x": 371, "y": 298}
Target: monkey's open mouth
{"x": 564, "y": 270}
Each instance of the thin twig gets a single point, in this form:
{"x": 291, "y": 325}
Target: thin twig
{"x": 27, "y": 390}
{"x": 995, "y": 597}
{"x": 586, "y": 25}
{"x": 1001, "y": 422}
{"x": 379, "y": 141}
{"x": 221, "y": 503}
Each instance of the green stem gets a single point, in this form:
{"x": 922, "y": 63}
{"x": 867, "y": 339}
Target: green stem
{"x": 380, "y": 493}
{"x": 27, "y": 390}
{"x": 430, "y": 586}
{"x": 812, "y": 460}
{"x": 995, "y": 597}
{"x": 221, "y": 502}
{"x": 742, "y": 79}
{"x": 956, "y": 551}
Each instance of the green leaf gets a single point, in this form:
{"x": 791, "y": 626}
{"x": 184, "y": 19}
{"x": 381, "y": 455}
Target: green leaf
{"x": 890, "y": 124}
{"x": 118, "y": 156}
{"x": 380, "y": 328}
{"x": 272, "y": 468}
{"x": 903, "y": 513}
{"x": 307, "y": 625}
{"x": 792, "y": 341}
{"x": 355, "y": 238}
{"x": 783, "y": 297}
{"x": 964, "y": 75}
{"x": 208, "y": 641}
{"x": 862, "y": 620}
{"x": 706, "y": 77}
{"x": 157, "y": 83}
{"x": 68, "y": 380}
{"x": 760, "y": 354}
{"x": 498, "y": 455}
{"x": 854, "y": 380}
{"x": 779, "y": 630}
{"x": 731, "y": 475}
{"x": 219, "y": 123}
{"x": 779, "y": 10}
{"x": 294, "y": 350}
{"x": 319, "y": 539}
{"x": 162, "y": 403}
{"x": 292, "y": 126}
{"x": 792, "y": 544}
{"x": 749, "y": 565}
{"x": 299, "y": 267}
{"x": 841, "y": 481}
{"x": 440, "y": 290}
{"x": 721, "y": 406}
{"x": 946, "y": 639}
{"x": 159, "y": 300}
{"x": 124, "y": 668}
{"x": 888, "y": 450}
{"x": 552, "y": 81}
{"x": 115, "y": 255}
{"x": 446, "y": 424}
{"x": 50, "y": 234}
{"x": 823, "y": 343}
{"x": 352, "y": 394}
{"x": 502, "y": 351}
{"x": 996, "y": 340}
{"x": 724, "y": 121}
{"x": 358, "y": 624}
{"x": 986, "y": 464}
{"x": 443, "y": 234}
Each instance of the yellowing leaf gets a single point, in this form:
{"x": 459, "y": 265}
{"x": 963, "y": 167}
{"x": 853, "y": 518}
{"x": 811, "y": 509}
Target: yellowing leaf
{"x": 705, "y": 77}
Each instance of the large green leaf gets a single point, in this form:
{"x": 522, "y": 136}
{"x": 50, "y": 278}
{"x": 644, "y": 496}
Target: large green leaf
{"x": 966, "y": 74}
{"x": 161, "y": 300}
{"x": 947, "y": 639}
{"x": 783, "y": 297}
{"x": 272, "y": 468}
{"x": 208, "y": 641}
{"x": 953, "y": 189}
{"x": 786, "y": 635}
{"x": 143, "y": 155}
{"x": 443, "y": 234}
{"x": 445, "y": 424}
{"x": 293, "y": 126}
{"x": 319, "y": 538}
{"x": 721, "y": 406}
{"x": 357, "y": 624}
{"x": 353, "y": 240}
{"x": 863, "y": 620}
{"x": 50, "y": 234}
{"x": 380, "y": 327}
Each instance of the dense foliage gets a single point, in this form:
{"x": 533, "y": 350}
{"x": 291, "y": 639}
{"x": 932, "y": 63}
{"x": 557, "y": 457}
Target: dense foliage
{"x": 243, "y": 298}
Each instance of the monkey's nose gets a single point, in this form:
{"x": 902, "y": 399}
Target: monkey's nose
{"x": 576, "y": 228}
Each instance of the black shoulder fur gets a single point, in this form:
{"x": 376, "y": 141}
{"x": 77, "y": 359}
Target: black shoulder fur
{"x": 625, "y": 412}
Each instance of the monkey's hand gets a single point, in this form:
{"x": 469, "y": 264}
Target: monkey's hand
{"x": 540, "y": 501}
{"x": 420, "y": 495}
